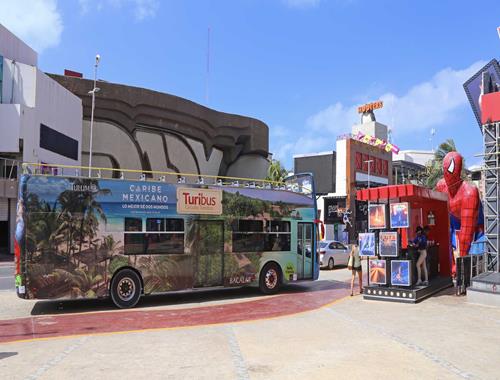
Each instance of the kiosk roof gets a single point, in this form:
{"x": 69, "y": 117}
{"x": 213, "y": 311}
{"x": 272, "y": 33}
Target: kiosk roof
{"x": 399, "y": 191}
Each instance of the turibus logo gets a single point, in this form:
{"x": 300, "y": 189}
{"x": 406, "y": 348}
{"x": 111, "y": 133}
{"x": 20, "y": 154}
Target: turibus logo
{"x": 199, "y": 201}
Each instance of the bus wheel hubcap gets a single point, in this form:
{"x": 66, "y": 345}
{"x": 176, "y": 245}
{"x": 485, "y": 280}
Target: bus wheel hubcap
{"x": 126, "y": 289}
{"x": 271, "y": 278}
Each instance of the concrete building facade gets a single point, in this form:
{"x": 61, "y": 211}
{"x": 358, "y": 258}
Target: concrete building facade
{"x": 40, "y": 122}
{"x": 322, "y": 165}
{"x": 45, "y": 118}
{"x": 137, "y": 128}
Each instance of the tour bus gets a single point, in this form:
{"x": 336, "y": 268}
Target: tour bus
{"x": 96, "y": 237}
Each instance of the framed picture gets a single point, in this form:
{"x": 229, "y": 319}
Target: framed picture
{"x": 378, "y": 272}
{"x": 400, "y": 215}
{"x": 376, "y": 217}
{"x": 367, "y": 244}
{"x": 388, "y": 244}
{"x": 400, "y": 272}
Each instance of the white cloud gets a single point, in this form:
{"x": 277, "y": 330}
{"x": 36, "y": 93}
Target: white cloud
{"x": 433, "y": 103}
{"x": 37, "y": 22}
{"x": 425, "y": 105}
{"x": 141, "y": 9}
{"x": 145, "y": 9}
{"x": 284, "y": 151}
{"x": 301, "y": 4}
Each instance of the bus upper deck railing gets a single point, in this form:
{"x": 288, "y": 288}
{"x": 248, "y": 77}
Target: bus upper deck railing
{"x": 297, "y": 183}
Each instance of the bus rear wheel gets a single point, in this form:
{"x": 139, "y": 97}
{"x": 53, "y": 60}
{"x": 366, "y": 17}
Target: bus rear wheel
{"x": 270, "y": 279}
{"x": 126, "y": 289}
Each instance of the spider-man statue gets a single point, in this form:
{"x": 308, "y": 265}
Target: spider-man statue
{"x": 464, "y": 203}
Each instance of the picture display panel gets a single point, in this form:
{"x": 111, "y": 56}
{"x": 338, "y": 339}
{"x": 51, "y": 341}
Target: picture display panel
{"x": 367, "y": 244}
{"x": 378, "y": 272}
{"x": 399, "y": 215}
{"x": 388, "y": 244}
{"x": 376, "y": 217}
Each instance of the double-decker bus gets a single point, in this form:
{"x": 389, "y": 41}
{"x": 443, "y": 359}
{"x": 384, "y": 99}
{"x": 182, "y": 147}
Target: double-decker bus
{"x": 80, "y": 237}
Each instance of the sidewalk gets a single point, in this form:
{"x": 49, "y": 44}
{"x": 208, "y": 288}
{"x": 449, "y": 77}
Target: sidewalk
{"x": 6, "y": 258}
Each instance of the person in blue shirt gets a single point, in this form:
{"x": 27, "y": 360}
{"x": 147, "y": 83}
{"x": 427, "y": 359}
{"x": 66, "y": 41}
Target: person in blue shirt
{"x": 420, "y": 242}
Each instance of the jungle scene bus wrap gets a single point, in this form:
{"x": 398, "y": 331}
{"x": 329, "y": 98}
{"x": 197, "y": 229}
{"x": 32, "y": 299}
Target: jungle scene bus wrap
{"x": 91, "y": 238}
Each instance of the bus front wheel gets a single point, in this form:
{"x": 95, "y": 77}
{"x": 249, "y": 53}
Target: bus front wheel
{"x": 270, "y": 279}
{"x": 126, "y": 289}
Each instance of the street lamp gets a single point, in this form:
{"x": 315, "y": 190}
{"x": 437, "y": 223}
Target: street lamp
{"x": 93, "y": 92}
{"x": 368, "y": 258}
{"x": 369, "y": 164}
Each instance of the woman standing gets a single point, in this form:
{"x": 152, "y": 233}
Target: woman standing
{"x": 420, "y": 243}
{"x": 354, "y": 265}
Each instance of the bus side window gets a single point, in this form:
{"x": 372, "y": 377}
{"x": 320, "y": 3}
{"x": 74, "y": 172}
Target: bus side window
{"x": 248, "y": 236}
{"x": 279, "y": 236}
{"x": 300, "y": 238}
{"x": 134, "y": 244}
{"x": 167, "y": 236}
{"x": 133, "y": 224}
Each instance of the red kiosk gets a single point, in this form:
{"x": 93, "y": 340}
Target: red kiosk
{"x": 425, "y": 207}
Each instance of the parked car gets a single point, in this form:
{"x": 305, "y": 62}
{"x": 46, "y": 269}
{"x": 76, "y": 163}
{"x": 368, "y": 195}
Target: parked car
{"x": 333, "y": 253}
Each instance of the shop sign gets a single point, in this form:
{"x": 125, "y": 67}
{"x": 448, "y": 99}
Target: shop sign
{"x": 199, "y": 201}
{"x": 335, "y": 209}
{"x": 370, "y": 107}
{"x": 376, "y": 142}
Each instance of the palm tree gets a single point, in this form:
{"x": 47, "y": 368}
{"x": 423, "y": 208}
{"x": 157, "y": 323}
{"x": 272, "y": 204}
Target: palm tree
{"x": 276, "y": 172}
{"x": 86, "y": 283}
{"x": 434, "y": 169}
{"x": 81, "y": 212}
{"x": 109, "y": 245}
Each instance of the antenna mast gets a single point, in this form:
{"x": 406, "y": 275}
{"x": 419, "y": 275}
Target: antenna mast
{"x": 207, "y": 79}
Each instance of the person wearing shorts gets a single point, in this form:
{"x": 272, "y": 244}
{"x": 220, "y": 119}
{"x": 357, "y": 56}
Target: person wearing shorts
{"x": 420, "y": 242}
{"x": 354, "y": 265}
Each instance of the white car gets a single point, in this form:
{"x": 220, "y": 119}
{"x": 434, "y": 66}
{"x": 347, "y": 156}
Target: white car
{"x": 333, "y": 253}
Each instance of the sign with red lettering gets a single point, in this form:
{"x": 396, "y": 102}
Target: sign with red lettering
{"x": 199, "y": 201}
{"x": 370, "y": 107}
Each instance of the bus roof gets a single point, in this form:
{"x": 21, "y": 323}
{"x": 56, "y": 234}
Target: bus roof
{"x": 302, "y": 183}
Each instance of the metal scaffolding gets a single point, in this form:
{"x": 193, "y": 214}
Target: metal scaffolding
{"x": 491, "y": 135}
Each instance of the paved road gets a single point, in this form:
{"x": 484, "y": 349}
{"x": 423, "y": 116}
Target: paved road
{"x": 349, "y": 339}
{"x": 7, "y": 277}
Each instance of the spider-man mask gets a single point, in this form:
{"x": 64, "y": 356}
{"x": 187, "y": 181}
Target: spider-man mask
{"x": 452, "y": 169}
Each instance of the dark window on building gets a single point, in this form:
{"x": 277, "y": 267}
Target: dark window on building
{"x": 58, "y": 142}
{"x": 385, "y": 165}
{"x": 359, "y": 161}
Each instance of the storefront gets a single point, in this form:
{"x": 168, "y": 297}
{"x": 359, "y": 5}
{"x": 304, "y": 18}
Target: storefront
{"x": 362, "y": 166}
{"x": 337, "y": 219}
{"x": 394, "y": 213}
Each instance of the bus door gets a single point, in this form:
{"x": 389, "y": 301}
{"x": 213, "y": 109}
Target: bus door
{"x": 208, "y": 254}
{"x": 305, "y": 250}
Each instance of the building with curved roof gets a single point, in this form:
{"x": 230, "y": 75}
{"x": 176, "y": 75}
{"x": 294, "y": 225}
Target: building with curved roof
{"x": 138, "y": 128}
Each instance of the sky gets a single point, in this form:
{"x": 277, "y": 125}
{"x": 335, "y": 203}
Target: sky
{"x": 300, "y": 66}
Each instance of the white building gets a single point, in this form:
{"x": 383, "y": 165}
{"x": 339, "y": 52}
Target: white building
{"x": 420, "y": 157}
{"x": 40, "y": 121}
